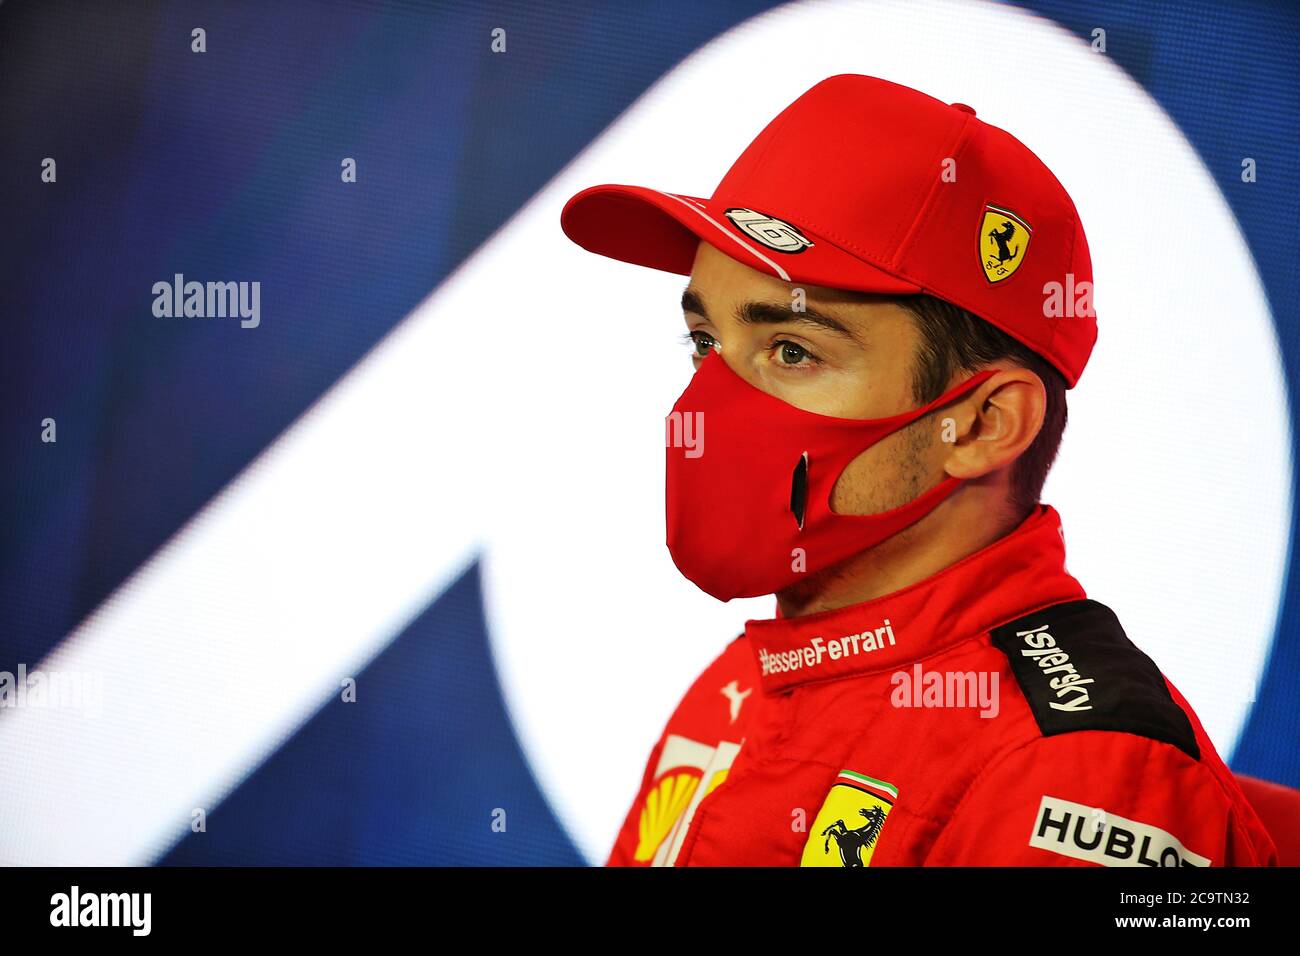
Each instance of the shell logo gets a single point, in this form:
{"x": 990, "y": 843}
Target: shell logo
{"x": 716, "y": 782}
{"x": 663, "y": 805}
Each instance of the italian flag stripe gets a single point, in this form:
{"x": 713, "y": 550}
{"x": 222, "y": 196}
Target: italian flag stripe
{"x": 862, "y": 778}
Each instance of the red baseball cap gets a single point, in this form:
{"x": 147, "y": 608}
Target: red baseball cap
{"x": 868, "y": 185}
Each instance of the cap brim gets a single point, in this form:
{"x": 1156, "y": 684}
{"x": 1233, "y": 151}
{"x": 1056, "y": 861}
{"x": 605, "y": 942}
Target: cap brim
{"x": 662, "y": 230}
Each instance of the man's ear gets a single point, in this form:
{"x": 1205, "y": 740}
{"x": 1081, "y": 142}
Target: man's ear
{"x": 994, "y": 425}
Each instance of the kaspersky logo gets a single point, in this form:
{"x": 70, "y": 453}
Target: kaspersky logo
{"x": 1053, "y": 659}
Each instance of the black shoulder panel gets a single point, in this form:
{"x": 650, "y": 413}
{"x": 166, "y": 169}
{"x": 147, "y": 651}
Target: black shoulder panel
{"x": 1079, "y": 671}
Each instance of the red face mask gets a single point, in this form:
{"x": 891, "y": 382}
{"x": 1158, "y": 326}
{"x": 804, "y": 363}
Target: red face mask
{"x": 750, "y": 479}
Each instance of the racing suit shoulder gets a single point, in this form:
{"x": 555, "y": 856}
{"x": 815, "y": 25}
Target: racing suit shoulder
{"x": 712, "y": 710}
{"x": 1120, "y": 773}
{"x": 1079, "y": 671}
{"x": 1101, "y": 797}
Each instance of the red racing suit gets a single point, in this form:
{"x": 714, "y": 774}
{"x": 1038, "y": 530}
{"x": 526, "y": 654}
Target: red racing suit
{"x": 989, "y": 715}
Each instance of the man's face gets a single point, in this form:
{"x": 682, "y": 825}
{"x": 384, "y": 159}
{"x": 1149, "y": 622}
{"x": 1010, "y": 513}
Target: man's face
{"x": 846, "y": 354}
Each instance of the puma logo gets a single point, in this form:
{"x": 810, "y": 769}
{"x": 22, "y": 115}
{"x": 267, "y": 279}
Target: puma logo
{"x": 735, "y": 696}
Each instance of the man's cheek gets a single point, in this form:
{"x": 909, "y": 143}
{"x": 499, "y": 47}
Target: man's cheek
{"x": 879, "y": 479}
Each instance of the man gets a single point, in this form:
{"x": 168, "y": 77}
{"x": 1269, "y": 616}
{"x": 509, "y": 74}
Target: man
{"x": 888, "y": 300}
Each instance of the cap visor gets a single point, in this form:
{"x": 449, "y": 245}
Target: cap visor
{"x": 662, "y": 230}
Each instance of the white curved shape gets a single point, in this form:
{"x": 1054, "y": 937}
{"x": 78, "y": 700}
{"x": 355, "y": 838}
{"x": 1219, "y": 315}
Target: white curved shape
{"x": 597, "y": 637}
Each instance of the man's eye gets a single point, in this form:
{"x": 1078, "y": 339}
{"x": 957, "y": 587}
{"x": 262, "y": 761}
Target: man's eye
{"x": 701, "y": 343}
{"x": 792, "y": 354}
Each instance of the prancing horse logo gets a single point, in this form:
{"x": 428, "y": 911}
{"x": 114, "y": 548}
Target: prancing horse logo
{"x": 1004, "y": 238}
{"x": 852, "y": 795}
{"x": 852, "y": 842}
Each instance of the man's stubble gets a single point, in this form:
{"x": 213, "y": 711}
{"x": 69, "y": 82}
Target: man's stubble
{"x": 907, "y": 477}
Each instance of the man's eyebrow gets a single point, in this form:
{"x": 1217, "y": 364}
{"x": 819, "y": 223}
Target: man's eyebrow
{"x": 691, "y": 302}
{"x": 767, "y": 313}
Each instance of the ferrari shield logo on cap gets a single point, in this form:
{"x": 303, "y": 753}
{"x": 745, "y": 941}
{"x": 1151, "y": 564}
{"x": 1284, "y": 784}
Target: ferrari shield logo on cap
{"x": 1004, "y": 238}
{"x": 774, "y": 233}
{"x": 850, "y": 821}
